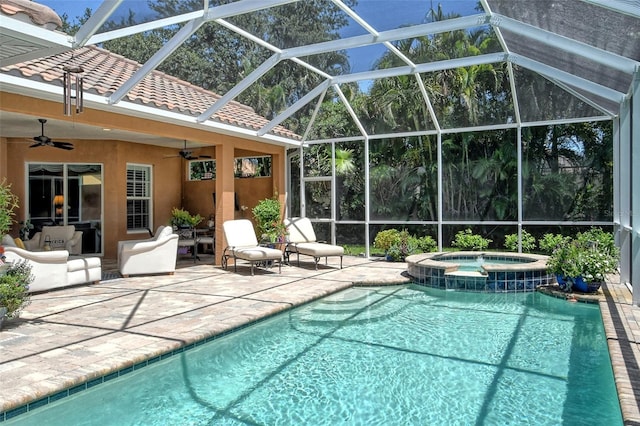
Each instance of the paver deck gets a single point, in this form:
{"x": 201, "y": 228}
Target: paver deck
{"x": 70, "y": 336}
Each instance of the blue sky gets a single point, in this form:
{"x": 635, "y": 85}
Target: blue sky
{"x": 392, "y": 12}
{"x": 381, "y": 14}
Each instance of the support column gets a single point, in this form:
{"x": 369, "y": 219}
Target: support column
{"x": 225, "y": 193}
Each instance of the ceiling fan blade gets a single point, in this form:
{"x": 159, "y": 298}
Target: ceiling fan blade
{"x": 43, "y": 140}
{"x": 62, "y": 145}
{"x": 204, "y": 156}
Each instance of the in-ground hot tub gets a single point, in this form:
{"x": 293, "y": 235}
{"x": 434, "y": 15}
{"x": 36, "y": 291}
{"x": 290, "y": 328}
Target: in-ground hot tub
{"x": 480, "y": 271}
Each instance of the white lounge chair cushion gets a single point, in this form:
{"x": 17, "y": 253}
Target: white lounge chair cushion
{"x": 256, "y": 254}
{"x": 319, "y": 249}
{"x": 240, "y": 233}
{"x": 300, "y": 230}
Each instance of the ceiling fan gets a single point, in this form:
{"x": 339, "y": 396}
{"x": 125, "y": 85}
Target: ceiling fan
{"x": 43, "y": 140}
{"x": 187, "y": 154}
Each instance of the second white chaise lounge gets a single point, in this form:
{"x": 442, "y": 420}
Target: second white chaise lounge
{"x": 242, "y": 243}
{"x": 302, "y": 240}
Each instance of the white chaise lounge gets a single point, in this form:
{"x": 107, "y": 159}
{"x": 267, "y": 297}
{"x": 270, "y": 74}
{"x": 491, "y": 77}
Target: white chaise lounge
{"x": 302, "y": 240}
{"x": 243, "y": 244}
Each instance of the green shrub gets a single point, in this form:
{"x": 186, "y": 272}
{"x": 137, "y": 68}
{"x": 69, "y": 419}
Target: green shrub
{"x": 399, "y": 244}
{"x": 424, "y": 244}
{"x": 549, "y": 242}
{"x": 528, "y": 242}
{"x": 385, "y": 239}
{"x": 8, "y": 203}
{"x": 597, "y": 238}
{"x": 402, "y": 247}
{"x": 15, "y": 279}
{"x": 467, "y": 240}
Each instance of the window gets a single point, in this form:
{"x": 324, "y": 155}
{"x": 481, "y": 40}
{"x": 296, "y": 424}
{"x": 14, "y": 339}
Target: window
{"x": 252, "y": 167}
{"x": 202, "y": 170}
{"x": 138, "y": 197}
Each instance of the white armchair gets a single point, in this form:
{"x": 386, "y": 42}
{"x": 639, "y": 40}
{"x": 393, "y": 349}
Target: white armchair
{"x": 155, "y": 255}
{"x": 60, "y": 238}
{"x": 53, "y": 269}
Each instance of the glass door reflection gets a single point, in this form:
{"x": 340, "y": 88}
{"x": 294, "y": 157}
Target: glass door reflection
{"x": 67, "y": 194}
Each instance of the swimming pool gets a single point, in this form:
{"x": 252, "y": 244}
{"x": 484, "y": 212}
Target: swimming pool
{"x": 389, "y": 355}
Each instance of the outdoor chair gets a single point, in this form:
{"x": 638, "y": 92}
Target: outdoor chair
{"x": 302, "y": 240}
{"x": 53, "y": 269}
{"x": 58, "y": 238}
{"x": 155, "y": 255}
{"x": 243, "y": 244}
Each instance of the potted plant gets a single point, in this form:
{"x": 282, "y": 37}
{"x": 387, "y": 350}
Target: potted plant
{"x": 583, "y": 262}
{"x": 561, "y": 262}
{"x": 597, "y": 257}
{"x": 181, "y": 218}
{"x": 397, "y": 245}
{"x": 269, "y": 221}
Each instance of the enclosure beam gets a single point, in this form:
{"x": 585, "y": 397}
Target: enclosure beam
{"x": 634, "y": 186}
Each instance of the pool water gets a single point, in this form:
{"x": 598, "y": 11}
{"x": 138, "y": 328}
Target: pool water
{"x": 471, "y": 265}
{"x": 400, "y": 355}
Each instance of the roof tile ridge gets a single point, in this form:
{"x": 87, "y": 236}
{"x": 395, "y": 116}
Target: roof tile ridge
{"x": 108, "y": 53}
{"x": 172, "y": 78}
{"x": 201, "y": 90}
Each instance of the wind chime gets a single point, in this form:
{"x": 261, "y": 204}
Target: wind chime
{"x": 72, "y": 89}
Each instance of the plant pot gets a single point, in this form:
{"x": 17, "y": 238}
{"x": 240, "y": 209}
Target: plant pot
{"x": 3, "y": 314}
{"x": 563, "y": 282}
{"x": 586, "y": 287}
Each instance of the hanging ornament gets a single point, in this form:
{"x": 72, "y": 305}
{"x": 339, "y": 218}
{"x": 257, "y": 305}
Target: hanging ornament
{"x": 72, "y": 89}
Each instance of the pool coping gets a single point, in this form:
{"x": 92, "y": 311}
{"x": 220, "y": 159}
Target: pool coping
{"x": 428, "y": 260}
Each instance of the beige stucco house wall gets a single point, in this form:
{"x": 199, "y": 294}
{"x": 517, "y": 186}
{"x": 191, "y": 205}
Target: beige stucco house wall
{"x": 170, "y": 185}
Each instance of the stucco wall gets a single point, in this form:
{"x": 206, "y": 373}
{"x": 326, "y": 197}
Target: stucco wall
{"x": 114, "y": 157}
{"x": 170, "y": 185}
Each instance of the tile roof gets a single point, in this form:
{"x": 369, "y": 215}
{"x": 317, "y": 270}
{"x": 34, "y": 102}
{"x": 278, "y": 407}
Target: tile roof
{"x": 104, "y": 72}
{"x": 28, "y": 11}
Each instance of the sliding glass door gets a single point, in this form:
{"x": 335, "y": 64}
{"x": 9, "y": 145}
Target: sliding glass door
{"x": 67, "y": 194}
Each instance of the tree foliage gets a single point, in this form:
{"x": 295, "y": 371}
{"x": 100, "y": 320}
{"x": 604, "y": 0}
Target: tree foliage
{"x": 215, "y": 58}
{"x": 566, "y": 169}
